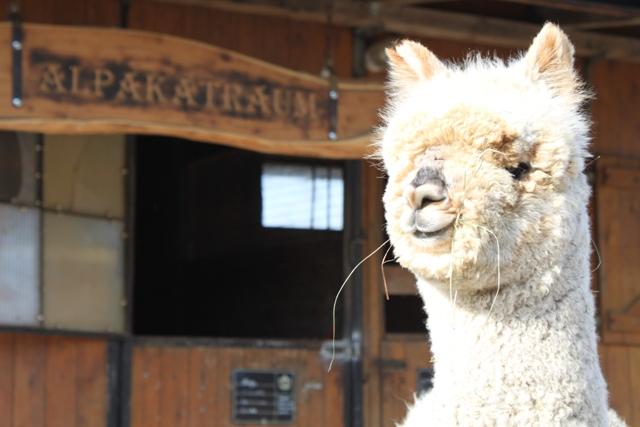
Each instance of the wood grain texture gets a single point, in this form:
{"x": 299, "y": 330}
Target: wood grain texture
{"x": 151, "y": 83}
{"x": 402, "y": 357}
{"x": 7, "y": 363}
{"x": 29, "y": 381}
{"x": 191, "y": 386}
{"x": 61, "y": 387}
{"x": 615, "y": 125}
{"x": 618, "y": 215}
{"x": 52, "y": 381}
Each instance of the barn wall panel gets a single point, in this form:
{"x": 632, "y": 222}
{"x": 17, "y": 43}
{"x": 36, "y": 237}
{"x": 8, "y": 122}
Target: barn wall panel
{"x": 52, "y": 381}
{"x": 191, "y": 385}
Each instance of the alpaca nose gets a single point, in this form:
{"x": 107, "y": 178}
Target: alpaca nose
{"x": 427, "y": 187}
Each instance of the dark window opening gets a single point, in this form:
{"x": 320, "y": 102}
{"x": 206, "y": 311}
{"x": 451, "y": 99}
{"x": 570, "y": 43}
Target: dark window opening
{"x": 204, "y": 263}
{"x": 404, "y": 314}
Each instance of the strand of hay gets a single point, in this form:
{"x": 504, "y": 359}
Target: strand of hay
{"x": 335, "y": 302}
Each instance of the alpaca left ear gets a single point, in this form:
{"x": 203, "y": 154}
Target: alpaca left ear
{"x": 550, "y": 58}
{"x": 409, "y": 63}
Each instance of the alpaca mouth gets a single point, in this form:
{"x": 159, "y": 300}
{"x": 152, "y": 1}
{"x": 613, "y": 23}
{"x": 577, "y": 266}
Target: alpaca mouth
{"x": 420, "y": 234}
{"x": 428, "y": 223}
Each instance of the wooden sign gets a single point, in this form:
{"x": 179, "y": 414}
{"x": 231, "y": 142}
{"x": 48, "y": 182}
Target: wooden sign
{"x": 101, "y": 80}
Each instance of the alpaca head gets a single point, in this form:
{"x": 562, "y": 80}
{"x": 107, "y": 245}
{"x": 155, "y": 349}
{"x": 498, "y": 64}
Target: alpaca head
{"x": 480, "y": 155}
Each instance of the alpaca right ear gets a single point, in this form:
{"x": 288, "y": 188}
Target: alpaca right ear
{"x": 410, "y": 63}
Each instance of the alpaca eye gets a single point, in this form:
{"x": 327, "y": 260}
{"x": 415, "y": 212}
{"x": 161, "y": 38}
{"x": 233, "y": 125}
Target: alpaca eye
{"x": 518, "y": 171}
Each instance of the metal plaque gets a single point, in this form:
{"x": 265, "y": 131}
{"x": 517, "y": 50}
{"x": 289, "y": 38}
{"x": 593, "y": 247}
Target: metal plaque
{"x": 425, "y": 380}
{"x": 263, "y": 397}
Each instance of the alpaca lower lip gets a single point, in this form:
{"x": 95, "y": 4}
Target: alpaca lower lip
{"x": 430, "y": 234}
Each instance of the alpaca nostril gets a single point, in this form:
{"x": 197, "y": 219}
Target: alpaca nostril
{"x": 429, "y": 192}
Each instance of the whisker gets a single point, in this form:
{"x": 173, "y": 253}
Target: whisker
{"x": 335, "y": 303}
{"x": 384, "y": 279}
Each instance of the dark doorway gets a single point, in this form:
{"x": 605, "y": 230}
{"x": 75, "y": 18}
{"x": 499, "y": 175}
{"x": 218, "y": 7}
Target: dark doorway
{"x": 231, "y": 243}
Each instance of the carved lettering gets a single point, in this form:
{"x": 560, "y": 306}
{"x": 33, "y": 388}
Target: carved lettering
{"x": 236, "y": 96}
{"x": 129, "y": 88}
{"x": 154, "y": 89}
{"x": 102, "y": 78}
{"x": 53, "y": 79}
{"x": 184, "y": 93}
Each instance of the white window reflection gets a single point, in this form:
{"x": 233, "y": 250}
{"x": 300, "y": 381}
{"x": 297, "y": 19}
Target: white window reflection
{"x": 302, "y": 196}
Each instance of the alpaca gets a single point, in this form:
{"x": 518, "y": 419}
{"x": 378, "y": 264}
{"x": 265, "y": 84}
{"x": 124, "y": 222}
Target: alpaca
{"x": 486, "y": 204}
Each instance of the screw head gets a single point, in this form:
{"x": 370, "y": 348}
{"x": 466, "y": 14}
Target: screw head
{"x": 16, "y": 45}
{"x": 16, "y": 102}
{"x": 333, "y": 135}
{"x": 333, "y": 94}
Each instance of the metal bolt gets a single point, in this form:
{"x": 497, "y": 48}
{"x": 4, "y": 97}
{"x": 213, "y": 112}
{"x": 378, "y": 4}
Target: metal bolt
{"x": 333, "y": 135}
{"x": 333, "y": 94}
{"x": 16, "y": 102}
{"x": 16, "y": 45}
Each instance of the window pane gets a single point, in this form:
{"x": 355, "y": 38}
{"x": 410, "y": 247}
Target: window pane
{"x": 19, "y": 265}
{"x": 83, "y": 273}
{"x": 83, "y": 174}
{"x": 302, "y": 197}
{"x": 17, "y": 167}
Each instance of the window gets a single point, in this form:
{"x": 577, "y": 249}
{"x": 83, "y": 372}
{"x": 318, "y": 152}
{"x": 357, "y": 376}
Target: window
{"x": 302, "y": 196}
{"x": 61, "y": 231}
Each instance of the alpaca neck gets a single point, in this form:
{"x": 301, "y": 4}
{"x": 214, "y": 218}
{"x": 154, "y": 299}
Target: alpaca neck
{"x": 539, "y": 336}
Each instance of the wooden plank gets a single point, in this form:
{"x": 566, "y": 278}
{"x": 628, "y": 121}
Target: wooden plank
{"x": 174, "y": 389}
{"x": 617, "y": 360}
{"x": 203, "y": 378}
{"x": 7, "y": 363}
{"x": 400, "y": 281}
{"x": 61, "y": 382}
{"x": 145, "y": 386}
{"x": 634, "y": 380}
{"x": 258, "y": 36}
{"x": 598, "y": 8}
{"x": 149, "y": 83}
{"x": 619, "y": 233}
{"x": 606, "y": 24}
{"x": 91, "y": 382}
{"x": 373, "y": 300}
{"x": 431, "y": 23}
{"x": 29, "y": 380}
{"x": 615, "y": 125}
{"x": 401, "y": 359}
{"x": 69, "y": 12}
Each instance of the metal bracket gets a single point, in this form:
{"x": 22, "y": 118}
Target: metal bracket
{"x": 345, "y": 351}
{"x": 333, "y": 107}
{"x": 17, "y": 37}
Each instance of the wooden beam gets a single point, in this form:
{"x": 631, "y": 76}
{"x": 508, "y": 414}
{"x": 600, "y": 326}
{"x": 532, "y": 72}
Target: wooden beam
{"x": 595, "y": 25}
{"x": 584, "y": 6}
{"x": 419, "y": 22}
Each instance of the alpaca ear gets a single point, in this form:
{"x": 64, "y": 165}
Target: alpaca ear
{"x": 409, "y": 63}
{"x": 550, "y": 58}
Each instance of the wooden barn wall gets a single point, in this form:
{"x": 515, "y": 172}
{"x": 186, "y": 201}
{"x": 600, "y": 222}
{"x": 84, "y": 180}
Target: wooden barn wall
{"x": 189, "y": 386}
{"x": 51, "y": 381}
{"x": 616, "y": 131}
